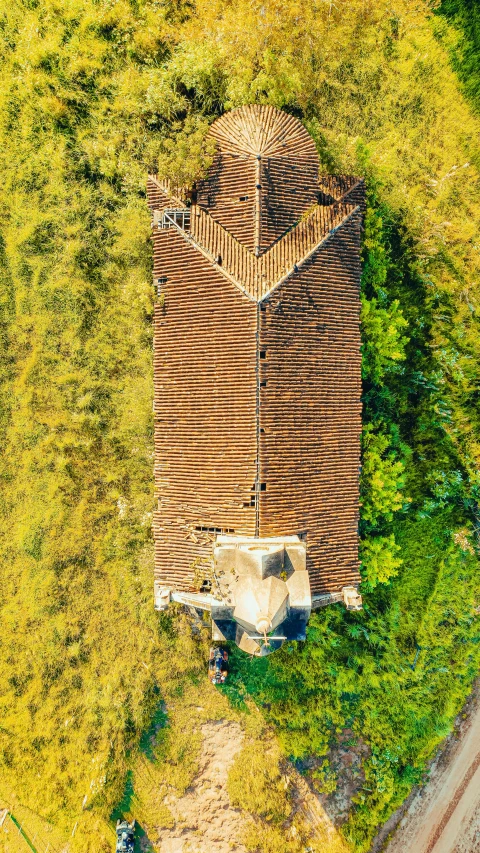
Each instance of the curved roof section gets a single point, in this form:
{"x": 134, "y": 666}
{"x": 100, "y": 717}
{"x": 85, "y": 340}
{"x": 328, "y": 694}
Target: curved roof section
{"x": 265, "y": 131}
{"x": 264, "y": 175}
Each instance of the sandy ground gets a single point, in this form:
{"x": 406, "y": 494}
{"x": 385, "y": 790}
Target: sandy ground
{"x": 444, "y": 815}
{"x": 205, "y": 820}
{"x": 325, "y": 837}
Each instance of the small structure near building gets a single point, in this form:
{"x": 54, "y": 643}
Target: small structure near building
{"x": 264, "y": 591}
{"x": 125, "y": 837}
{"x": 218, "y": 666}
{"x": 257, "y": 383}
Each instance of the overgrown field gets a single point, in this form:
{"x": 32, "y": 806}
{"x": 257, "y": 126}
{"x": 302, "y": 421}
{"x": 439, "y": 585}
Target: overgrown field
{"x": 93, "y": 94}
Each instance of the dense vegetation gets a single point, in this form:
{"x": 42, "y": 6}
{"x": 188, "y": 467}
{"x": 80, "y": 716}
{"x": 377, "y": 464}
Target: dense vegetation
{"x": 92, "y": 94}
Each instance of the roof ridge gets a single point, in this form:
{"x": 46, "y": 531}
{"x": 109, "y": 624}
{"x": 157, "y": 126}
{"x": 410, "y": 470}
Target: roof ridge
{"x": 262, "y": 275}
{"x": 166, "y": 187}
{"x": 355, "y": 209}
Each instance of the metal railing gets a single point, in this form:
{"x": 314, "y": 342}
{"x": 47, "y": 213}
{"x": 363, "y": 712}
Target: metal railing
{"x": 178, "y": 217}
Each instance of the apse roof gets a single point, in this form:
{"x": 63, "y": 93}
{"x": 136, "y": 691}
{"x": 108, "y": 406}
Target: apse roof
{"x": 263, "y": 130}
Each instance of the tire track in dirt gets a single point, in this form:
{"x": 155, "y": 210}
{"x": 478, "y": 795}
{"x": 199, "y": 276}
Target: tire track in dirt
{"x": 459, "y": 793}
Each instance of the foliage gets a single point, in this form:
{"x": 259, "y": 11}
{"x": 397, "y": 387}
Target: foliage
{"x": 382, "y": 477}
{"x": 256, "y": 785}
{"x": 185, "y": 153}
{"x": 93, "y": 93}
{"x": 264, "y": 786}
{"x": 466, "y": 16}
{"x": 380, "y": 561}
{"x": 324, "y": 778}
{"x": 384, "y": 343}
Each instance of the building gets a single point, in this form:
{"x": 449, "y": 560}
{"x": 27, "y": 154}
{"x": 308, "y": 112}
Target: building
{"x": 257, "y": 379}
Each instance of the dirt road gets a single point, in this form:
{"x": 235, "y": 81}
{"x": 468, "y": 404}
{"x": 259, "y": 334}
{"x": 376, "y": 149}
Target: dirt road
{"x": 444, "y": 815}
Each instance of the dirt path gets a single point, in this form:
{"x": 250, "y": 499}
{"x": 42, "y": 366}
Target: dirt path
{"x": 205, "y": 822}
{"x": 444, "y": 815}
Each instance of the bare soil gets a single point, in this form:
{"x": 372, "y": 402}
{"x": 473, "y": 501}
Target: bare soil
{"x": 443, "y": 816}
{"x": 205, "y": 822}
